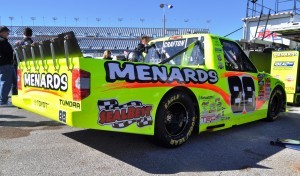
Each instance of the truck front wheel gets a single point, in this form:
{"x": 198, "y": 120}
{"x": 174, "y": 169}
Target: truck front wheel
{"x": 175, "y": 119}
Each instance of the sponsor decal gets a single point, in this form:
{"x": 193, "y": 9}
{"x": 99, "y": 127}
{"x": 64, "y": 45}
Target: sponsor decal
{"x": 264, "y": 87}
{"x": 285, "y": 54}
{"x": 68, "y": 103}
{"x": 121, "y": 116}
{"x": 220, "y": 65}
{"x": 266, "y": 34}
{"x": 284, "y": 64}
{"x": 206, "y": 97}
{"x": 219, "y": 57}
{"x": 212, "y": 109}
{"x": 174, "y": 43}
{"x": 41, "y": 104}
{"x": 290, "y": 88}
{"x": 46, "y": 81}
{"x": 267, "y": 88}
{"x": 154, "y": 73}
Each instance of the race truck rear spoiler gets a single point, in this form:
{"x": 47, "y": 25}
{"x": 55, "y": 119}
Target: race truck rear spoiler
{"x": 65, "y": 45}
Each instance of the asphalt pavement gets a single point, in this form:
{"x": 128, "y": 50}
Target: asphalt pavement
{"x": 33, "y": 145}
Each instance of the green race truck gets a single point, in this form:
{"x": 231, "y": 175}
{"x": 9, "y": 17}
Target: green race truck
{"x": 196, "y": 82}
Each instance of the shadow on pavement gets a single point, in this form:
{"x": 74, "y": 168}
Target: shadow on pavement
{"x": 11, "y": 116}
{"x": 237, "y": 148}
{"x": 16, "y": 123}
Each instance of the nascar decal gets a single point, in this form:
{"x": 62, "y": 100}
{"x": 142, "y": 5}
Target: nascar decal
{"x": 46, "y": 81}
{"x": 121, "y": 116}
{"x": 157, "y": 73}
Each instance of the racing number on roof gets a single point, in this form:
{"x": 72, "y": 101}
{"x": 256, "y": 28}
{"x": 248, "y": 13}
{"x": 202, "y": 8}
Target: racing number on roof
{"x": 242, "y": 92}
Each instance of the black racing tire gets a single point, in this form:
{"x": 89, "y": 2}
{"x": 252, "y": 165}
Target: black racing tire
{"x": 275, "y": 105}
{"x": 175, "y": 119}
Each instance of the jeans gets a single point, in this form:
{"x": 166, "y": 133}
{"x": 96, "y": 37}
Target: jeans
{"x": 7, "y": 76}
{"x": 14, "y": 90}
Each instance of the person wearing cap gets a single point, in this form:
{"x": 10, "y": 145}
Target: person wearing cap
{"x": 7, "y": 73}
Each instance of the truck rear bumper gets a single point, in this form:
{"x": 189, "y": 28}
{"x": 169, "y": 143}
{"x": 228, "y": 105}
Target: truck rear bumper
{"x": 75, "y": 118}
{"x": 43, "y": 108}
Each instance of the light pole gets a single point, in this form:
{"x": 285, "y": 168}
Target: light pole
{"x": 208, "y": 24}
{"x": 54, "y": 19}
{"x": 76, "y": 19}
{"x": 169, "y": 6}
{"x": 142, "y": 20}
{"x": 87, "y": 21}
{"x": 98, "y": 20}
{"x": 32, "y": 18}
{"x": 186, "y": 21}
{"x": 11, "y": 19}
{"x": 120, "y": 20}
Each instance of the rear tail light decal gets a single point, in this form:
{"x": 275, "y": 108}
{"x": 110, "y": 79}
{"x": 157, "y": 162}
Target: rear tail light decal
{"x": 19, "y": 79}
{"x": 80, "y": 84}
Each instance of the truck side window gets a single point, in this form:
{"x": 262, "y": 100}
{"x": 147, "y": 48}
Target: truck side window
{"x": 197, "y": 57}
{"x": 235, "y": 58}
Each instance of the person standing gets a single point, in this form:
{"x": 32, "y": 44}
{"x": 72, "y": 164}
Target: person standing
{"x": 27, "y": 40}
{"x": 107, "y": 55}
{"x": 139, "y": 52}
{"x": 142, "y": 46}
{"x": 7, "y": 73}
{"x": 27, "y": 34}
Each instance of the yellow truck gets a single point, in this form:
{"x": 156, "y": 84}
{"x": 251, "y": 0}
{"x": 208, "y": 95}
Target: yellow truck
{"x": 196, "y": 82}
{"x": 285, "y": 66}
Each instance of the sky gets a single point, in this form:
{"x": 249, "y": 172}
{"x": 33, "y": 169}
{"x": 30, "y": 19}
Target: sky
{"x": 220, "y": 16}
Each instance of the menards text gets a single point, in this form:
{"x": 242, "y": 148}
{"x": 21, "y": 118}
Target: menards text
{"x": 46, "y": 81}
{"x": 157, "y": 73}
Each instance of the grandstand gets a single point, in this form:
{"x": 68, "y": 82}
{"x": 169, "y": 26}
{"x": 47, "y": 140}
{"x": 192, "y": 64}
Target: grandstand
{"x": 97, "y": 39}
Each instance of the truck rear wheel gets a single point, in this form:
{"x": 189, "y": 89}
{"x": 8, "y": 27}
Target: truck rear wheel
{"x": 275, "y": 104}
{"x": 175, "y": 119}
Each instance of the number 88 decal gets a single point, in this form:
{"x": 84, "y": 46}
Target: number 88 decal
{"x": 62, "y": 116}
{"x": 242, "y": 92}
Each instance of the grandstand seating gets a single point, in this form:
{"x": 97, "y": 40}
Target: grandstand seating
{"x": 100, "y": 38}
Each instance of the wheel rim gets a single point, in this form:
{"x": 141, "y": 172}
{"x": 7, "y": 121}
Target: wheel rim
{"x": 274, "y": 106}
{"x": 176, "y": 119}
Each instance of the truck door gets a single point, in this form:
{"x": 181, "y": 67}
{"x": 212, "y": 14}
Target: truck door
{"x": 241, "y": 75}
